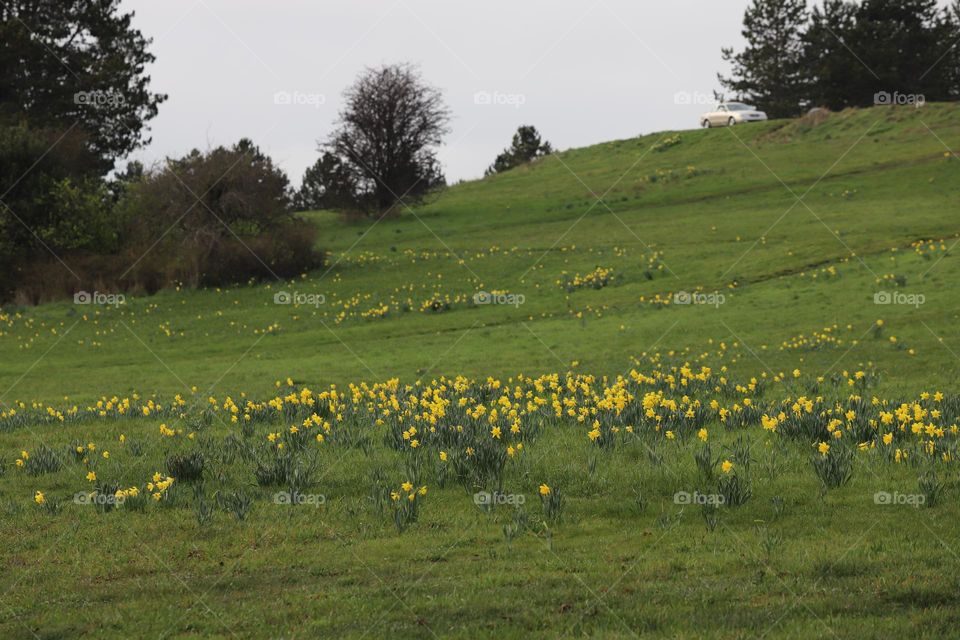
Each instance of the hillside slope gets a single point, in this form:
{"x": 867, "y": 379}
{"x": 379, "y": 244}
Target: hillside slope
{"x": 786, "y": 228}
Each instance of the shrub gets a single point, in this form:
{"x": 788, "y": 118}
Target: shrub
{"x": 42, "y": 461}
{"x": 834, "y": 467}
{"x": 224, "y": 214}
{"x": 553, "y": 502}
{"x": 207, "y": 219}
{"x": 186, "y": 467}
{"x": 931, "y": 488}
{"x": 734, "y": 489}
{"x": 236, "y": 502}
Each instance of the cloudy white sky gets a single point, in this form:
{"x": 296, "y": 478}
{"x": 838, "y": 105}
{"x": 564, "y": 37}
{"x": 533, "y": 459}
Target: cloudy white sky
{"x": 581, "y": 71}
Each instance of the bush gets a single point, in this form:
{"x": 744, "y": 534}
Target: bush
{"x": 53, "y": 205}
{"x": 186, "y": 467}
{"x": 207, "y": 219}
{"x": 224, "y": 214}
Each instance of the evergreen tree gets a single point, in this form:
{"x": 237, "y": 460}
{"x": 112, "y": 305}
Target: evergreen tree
{"x": 902, "y": 42}
{"x": 830, "y": 64}
{"x": 328, "y": 184}
{"x": 68, "y": 64}
{"x": 525, "y": 147}
{"x": 769, "y": 72}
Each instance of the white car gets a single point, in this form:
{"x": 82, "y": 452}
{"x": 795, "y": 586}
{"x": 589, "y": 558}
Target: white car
{"x": 728, "y": 114}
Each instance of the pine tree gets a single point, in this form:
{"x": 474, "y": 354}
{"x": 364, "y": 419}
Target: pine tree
{"x": 768, "y": 72}
{"x": 902, "y": 42}
{"x": 77, "y": 64}
{"x": 831, "y": 66}
{"x": 866, "y": 54}
{"x": 525, "y": 147}
{"x": 328, "y": 184}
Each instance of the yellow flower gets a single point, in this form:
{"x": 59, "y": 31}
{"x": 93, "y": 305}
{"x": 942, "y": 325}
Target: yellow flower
{"x": 91, "y": 476}
{"x": 106, "y": 454}
{"x": 406, "y": 486}
{"x": 394, "y": 496}
{"x": 887, "y": 438}
{"x": 319, "y": 437}
{"x": 423, "y": 490}
{"x": 495, "y": 432}
{"x": 823, "y": 448}
{"x": 702, "y": 434}
{"x": 39, "y": 498}
{"x": 727, "y": 466}
{"x": 544, "y": 490}
{"x": 443, "y": 456}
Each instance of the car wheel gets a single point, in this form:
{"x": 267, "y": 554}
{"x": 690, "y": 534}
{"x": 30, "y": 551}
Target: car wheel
{"x": 732, "y": 121}
{"x": 705, "y": 124}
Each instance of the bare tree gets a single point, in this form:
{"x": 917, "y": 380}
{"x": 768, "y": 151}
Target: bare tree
{"x": 386, "y": 135}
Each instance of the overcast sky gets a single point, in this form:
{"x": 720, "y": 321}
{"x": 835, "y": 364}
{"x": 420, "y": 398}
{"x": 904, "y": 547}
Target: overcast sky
{"x": 581, "y": 71}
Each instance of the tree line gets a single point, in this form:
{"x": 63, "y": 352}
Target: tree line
{"x": 381, "y": 156}
{"x": 843, "y": 54}
{"x": 75, "y": 100}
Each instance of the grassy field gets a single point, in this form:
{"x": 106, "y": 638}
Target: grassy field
{"x": 708, "y": 374}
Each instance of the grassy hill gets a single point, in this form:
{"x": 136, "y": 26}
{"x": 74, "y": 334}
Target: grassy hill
{"x": 797, "y": 223}
{"x": 764, "y": 315}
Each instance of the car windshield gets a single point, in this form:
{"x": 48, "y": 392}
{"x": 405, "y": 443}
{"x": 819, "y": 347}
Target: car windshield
{"x": 737, "y": 106}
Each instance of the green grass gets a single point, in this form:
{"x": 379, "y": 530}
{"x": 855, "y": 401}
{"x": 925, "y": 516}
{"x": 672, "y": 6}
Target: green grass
{"x": 720, "y": 212}
{"x": 735, "y": 222}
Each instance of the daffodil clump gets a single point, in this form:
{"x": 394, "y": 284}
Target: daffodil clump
{"x": 596, "y": 279}
{"x": 552, "y": 501}
{"x": 158, "y": 486}
{"x": 407, "y": 500}
{"x": 479, "y": 432}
